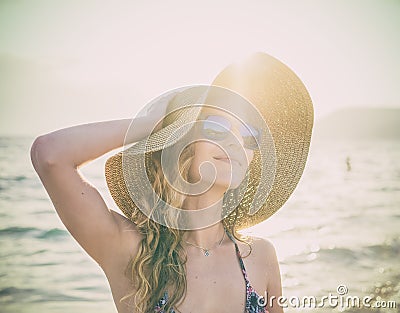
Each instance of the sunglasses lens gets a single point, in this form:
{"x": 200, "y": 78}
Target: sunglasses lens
{"x": 250, "y": 136}
{"x": 215, "y": 127}
{"x": 250, "y": 143}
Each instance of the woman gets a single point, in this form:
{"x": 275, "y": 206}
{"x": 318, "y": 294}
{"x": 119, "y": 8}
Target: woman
{"x": 165, "y": 255}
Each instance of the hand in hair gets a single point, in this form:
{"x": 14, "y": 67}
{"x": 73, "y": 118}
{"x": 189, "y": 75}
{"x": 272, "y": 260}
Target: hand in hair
{"x": 157, "y": 110}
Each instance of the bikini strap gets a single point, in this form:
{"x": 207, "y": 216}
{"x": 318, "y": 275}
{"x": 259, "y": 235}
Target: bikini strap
{"x": 239, "y": 257}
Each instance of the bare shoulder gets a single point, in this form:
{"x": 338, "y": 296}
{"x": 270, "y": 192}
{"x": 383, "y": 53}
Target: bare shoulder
{"x": 267, "y": 251}
{"x": 266, "y": 247}
{"x": 261, "y": 248}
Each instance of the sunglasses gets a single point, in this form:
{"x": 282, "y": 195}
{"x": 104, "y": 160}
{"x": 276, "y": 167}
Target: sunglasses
{"x": 217, "y": 127}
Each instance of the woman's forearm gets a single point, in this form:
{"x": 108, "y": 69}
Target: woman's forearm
{"x": 80, "y": 144}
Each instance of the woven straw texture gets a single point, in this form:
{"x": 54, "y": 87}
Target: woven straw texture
{"x": 286, "y": 107}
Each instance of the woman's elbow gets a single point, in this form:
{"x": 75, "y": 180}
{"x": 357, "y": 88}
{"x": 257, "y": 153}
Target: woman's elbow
{"x": 41, "y": 153}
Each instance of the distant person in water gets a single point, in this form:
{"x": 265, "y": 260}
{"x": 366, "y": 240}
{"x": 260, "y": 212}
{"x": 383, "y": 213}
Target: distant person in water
{"x": 207, "y": 162}
{"x": 348, "y": 164}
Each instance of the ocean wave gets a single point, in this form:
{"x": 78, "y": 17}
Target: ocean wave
{"x": 16, "y": 230}
{"x": 28, "y": 295}
{"x": 14, "y": 291}
{"x": 33, "y": 232}
{"x": 389, "y": 249}
{"x": 52, "y": 233}
{"x": 17, "y": 178}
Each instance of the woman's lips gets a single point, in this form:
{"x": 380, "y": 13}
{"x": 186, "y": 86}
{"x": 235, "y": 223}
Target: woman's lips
{"x": 226, "y": 160}
{"x": 223, "y": 160}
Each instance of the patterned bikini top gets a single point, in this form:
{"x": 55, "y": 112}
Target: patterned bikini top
{"x": 253, "y": 305}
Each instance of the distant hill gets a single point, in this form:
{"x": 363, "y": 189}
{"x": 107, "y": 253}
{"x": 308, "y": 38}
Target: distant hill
{"x": 359, "y": 124}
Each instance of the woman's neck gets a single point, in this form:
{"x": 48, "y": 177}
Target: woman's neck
{"x": 203, "y": 210}
{"x": 206, "y": 238}
{"x": 205, "y": 218}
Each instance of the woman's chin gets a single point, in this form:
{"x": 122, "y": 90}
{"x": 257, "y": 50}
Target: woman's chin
{"x": 228, "y": 184}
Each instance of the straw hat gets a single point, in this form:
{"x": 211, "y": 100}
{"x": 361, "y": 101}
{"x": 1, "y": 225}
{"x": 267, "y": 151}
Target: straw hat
{"x": 274, "y": 96}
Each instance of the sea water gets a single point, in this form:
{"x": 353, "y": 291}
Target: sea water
{"x": 339, "y": 229}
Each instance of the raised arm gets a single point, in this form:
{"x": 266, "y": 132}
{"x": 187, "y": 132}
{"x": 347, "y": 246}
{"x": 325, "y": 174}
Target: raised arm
{"x": 57, "y": 156}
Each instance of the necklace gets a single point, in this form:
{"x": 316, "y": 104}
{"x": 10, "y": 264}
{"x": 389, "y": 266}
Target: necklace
{"x": 207, "y": 251}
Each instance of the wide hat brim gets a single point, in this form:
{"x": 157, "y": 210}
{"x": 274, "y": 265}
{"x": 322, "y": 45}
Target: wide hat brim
{"x": 281, "y": 99}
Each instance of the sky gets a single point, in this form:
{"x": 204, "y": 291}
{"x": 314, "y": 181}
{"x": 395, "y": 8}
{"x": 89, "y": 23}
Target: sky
{"x": 64, "y": 63}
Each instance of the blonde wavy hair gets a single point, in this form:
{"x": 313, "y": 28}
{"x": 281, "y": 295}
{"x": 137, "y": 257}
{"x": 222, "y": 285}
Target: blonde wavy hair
{"x": 161, "y": 258}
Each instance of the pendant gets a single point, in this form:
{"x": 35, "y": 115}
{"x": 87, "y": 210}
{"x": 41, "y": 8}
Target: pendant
{"x": 206, "y": 253}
